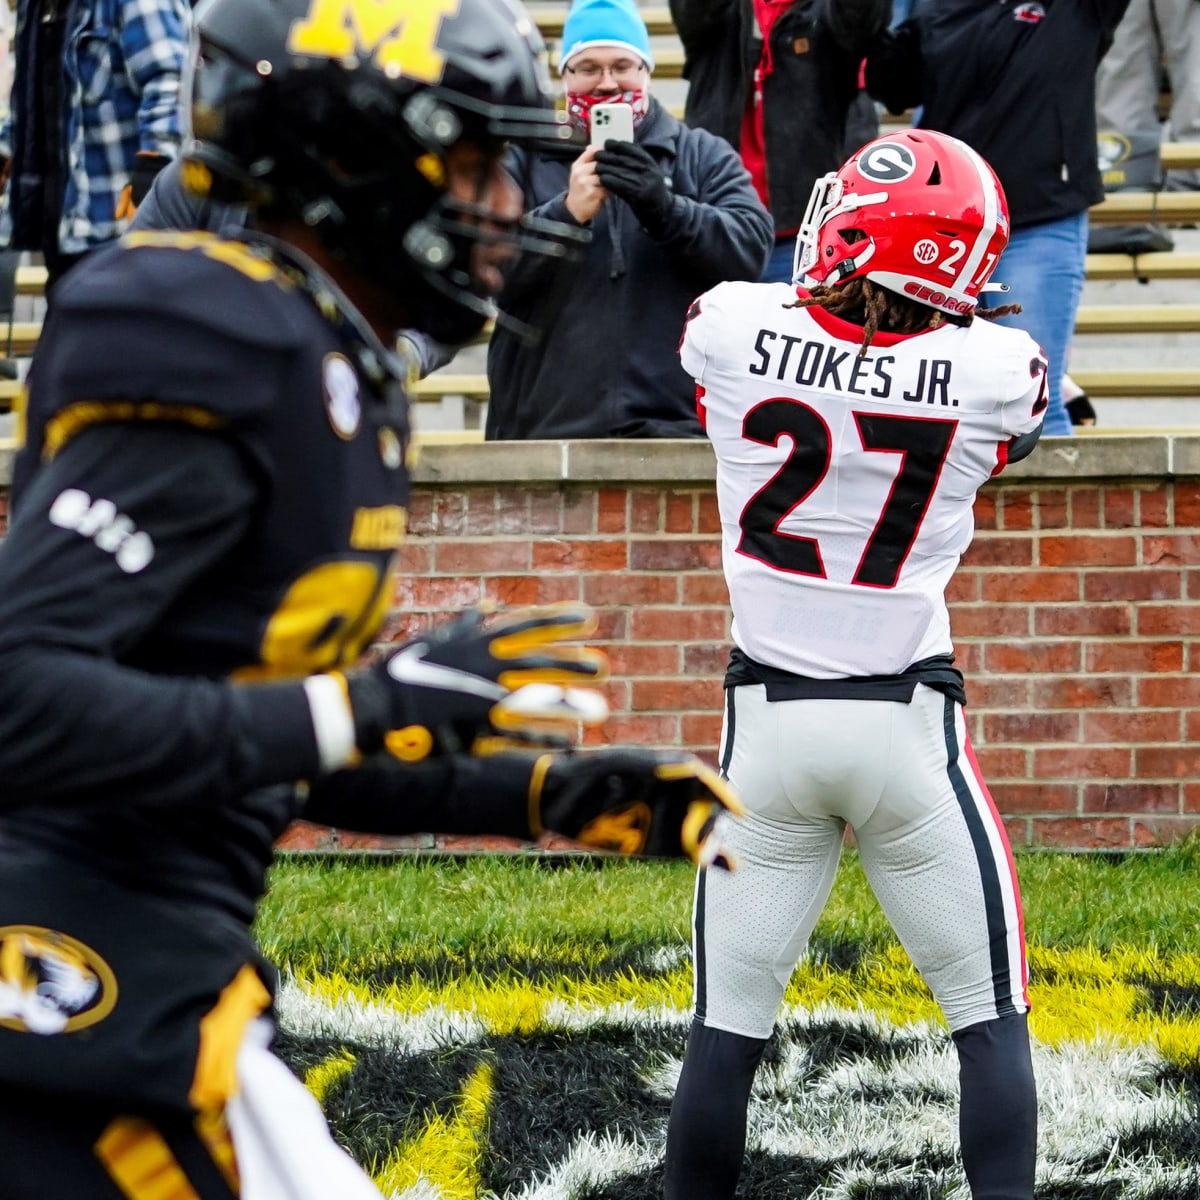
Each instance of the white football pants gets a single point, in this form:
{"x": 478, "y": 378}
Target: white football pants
{"x": 904, "y": 777}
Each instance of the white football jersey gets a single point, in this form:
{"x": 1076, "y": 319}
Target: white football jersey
{"x": 846, "y": 484}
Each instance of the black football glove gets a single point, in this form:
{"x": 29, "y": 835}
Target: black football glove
{"x": 660, "y": 803}
{"x": 146, "y": 166}
{"x": 629, "y": 171}
{"x": 466, "y": 679}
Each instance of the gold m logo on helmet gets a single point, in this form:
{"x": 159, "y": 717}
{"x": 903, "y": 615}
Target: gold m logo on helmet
{"x": 50, "y": 983}
{"x": 401, "y": 35}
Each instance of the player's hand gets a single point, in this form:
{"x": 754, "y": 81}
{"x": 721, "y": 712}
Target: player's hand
{"x": 629, "y": 171}
{"x": 584, "y": 191}
{"x": 661, "y": 803}
{"x": 461, "y": 681}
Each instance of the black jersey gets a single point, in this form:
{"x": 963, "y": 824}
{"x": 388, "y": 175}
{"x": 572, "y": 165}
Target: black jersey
{"x": 213, "y": 488}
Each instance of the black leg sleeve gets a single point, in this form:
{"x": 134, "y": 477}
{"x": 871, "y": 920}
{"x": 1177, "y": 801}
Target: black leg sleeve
{"x": 706, "y": 1136}
{"x": 997, "y": 1120}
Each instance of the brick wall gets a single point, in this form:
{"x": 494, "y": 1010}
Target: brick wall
{"x": 1076, "y": 613}
{"x": 1076, "y": 616}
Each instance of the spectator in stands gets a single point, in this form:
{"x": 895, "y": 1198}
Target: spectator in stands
{"x": 94, "y": 115}
{"x": 1016, "y": 80}
{"x": 6, "y": 63}
{"x": 779, "y": 80}
{"x": 671, "y": 213}
{"x": 1151, "y": 33}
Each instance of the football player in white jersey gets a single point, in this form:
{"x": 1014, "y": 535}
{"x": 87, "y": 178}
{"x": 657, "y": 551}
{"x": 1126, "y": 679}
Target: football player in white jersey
{"x": 854, "y": 419}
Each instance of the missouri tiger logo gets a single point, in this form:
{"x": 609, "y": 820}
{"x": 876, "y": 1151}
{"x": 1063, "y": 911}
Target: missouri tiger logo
{"x": 50, "y": 983}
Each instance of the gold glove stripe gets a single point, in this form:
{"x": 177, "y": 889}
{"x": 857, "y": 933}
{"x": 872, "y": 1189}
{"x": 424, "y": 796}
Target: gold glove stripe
{"x": 593, "y": 664}
{"x": 410, "y": 744}
{"x": 624, "y": 831}
{"x": 697, "y": 825}
{"x": 547, "y": 723}
{"x": 573, "y": 620}
{"x": 721, "y": 789}
{"x": 537, "y": 781}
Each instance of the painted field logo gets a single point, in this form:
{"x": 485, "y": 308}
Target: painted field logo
{"x": 50, "y": 983}
{"x": 517, "y": 1070}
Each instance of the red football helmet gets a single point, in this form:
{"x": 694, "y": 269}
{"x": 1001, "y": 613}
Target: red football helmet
{"x": 916, "y": 211}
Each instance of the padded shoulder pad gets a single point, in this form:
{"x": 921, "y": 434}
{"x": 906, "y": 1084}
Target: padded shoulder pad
{"x": 1014, "y": 361}
{"x": 201, "y": 278}
{"x": 178, "y": 318}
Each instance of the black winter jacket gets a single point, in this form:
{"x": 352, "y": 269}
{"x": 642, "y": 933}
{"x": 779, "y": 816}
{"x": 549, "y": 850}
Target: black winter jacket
{"x": 608, "y": 365}
{"x": 817, "y": 47}
{"x": 1014, "y": 79}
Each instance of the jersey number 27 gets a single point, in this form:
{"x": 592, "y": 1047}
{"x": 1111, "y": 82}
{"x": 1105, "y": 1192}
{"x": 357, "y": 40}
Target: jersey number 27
{"x": 922, "y": 443}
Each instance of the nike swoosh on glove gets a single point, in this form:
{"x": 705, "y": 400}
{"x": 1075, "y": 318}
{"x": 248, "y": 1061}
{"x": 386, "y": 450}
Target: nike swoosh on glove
{"x": 439, "y": 693}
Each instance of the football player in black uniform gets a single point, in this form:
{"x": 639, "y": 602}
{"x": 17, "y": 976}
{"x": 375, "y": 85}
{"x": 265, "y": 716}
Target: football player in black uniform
{"x": 203, "y": 526}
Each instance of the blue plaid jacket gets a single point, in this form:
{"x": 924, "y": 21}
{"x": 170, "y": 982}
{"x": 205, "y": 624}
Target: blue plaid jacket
{"x": 123, "y": 60}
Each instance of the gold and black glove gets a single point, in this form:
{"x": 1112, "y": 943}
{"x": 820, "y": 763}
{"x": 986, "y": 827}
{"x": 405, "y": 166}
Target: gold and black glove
{"x": 659, "y": 803}
{"x": 466, "y": 679}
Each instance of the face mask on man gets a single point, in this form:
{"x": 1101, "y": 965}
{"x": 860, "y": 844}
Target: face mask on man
{"x": 580, "y": 105}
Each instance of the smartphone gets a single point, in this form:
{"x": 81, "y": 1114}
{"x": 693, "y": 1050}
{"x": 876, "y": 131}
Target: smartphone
{"x": 613, "y": 121}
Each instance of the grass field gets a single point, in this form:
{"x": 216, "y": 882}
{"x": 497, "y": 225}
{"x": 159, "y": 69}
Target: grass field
{"x": 512, "y": 1027}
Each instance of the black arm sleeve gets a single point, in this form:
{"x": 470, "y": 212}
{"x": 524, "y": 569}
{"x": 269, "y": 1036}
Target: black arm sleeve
{"x": 457, "y": 794}
{"x": 74, "y": 721}
{"x": 703, "y": 21}
{"x": 1022, "y": 445}
{"x": 855, "y": 24}
{"x": 894, "y": 69}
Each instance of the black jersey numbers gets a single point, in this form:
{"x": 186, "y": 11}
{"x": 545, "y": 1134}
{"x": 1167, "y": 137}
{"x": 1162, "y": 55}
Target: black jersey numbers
{"x": 922, "y": 443}
{"x": 325, "y": 620}
{"x": 788, "y": 488}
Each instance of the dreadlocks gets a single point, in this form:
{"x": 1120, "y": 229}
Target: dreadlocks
{"x": 878, "y": 308}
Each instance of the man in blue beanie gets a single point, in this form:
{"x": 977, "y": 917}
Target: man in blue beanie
{"x": 671, "y": 213}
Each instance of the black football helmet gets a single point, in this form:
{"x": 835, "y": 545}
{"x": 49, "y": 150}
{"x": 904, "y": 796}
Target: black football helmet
{"x": 340, "y": 113}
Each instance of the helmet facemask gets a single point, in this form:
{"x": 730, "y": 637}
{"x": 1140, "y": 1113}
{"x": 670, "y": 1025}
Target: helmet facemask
{"x": 827, "y": 201}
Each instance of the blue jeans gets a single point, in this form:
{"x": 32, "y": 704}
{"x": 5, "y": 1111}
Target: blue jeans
{"x": 779, "y": 265}
{"x": 1044, "y": 267}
